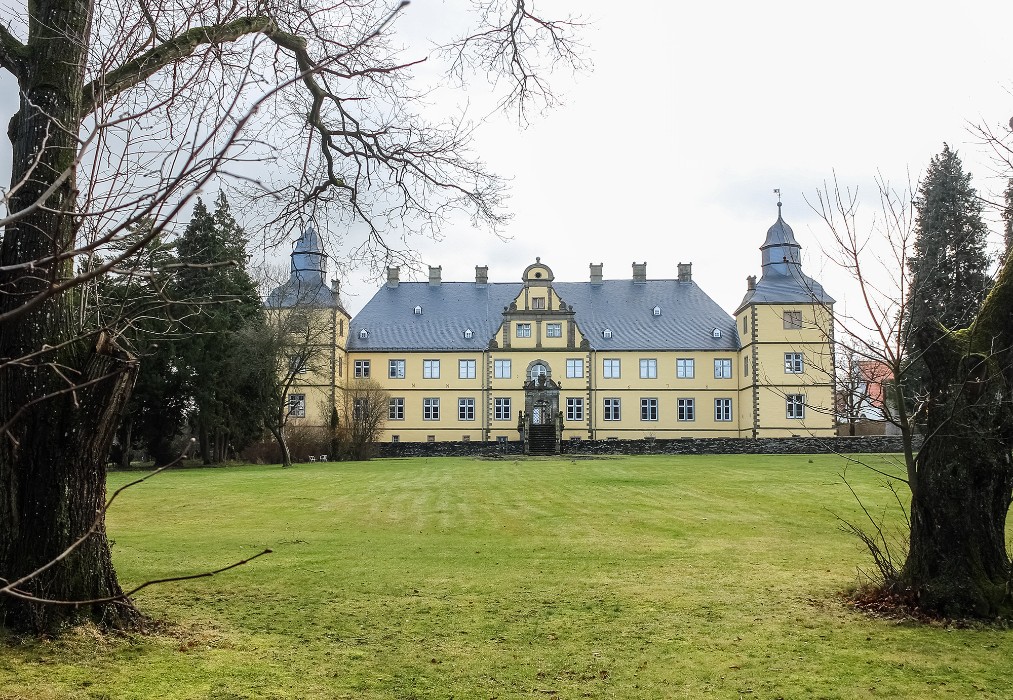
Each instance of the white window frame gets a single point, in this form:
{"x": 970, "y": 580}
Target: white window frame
{"x": 792, "y": 320}
{"x": 612, "y": 409}
{"x": 611, "y": 368}
{"x": 395, "y": 408}
{"x": 297, "y": 405}
{"x": 722, "y": 410}
{"x": 538, "y": 303}
{"x": 794, "y": 363}
{"x": 686, "y": 410}
{"x": 794, "y": 406}
{"x": 466, "y": 369}
{"x": 685, "y": 368}
{"x": 430, "y": 369}
{"x": 648, "y": 368}
{"x": 722, "y": 368}
{"x": 501, "y": 408}
{"x": 523, "y": 330}
{"x": 553, "y": 330}
{"x": 361, "y": 369}
{"x": 648, "y": 409}
{"x": 574, "y": 409}
{"x": 501, "y": 369}
{"x": 431, "y": 409}
{"x": 466, "y": 409}
{"x": 575, "y": 368}
{"x": 395, "y": 369}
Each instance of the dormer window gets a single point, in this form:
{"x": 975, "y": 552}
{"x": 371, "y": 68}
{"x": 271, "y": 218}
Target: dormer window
{"x": 607, "y": 333}
{"x": 363, "y": 334}
{"x": 657, "y": 310}
{"x": 716, "y": 333}
{"x": 418, "y": 310}
{"x": 469, "y": 334}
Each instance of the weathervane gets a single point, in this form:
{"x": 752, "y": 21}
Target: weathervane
{"x": 777, "y": 191}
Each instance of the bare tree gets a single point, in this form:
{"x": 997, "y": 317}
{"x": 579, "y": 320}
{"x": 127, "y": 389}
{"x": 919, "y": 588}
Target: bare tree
{"x": 126, "y": 111}
{"x": 360, "y": 418}
{"x": 961, "y": 478}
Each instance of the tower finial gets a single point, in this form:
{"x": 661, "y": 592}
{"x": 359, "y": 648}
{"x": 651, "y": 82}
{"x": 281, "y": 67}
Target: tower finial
{"x": 777, "y": 191}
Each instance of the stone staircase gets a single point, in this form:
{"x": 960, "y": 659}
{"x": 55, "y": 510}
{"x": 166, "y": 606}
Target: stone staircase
{"x": 542, "y": 440}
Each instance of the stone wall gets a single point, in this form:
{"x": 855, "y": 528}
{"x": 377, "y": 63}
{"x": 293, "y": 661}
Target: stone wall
{"x": 683, "y": 446}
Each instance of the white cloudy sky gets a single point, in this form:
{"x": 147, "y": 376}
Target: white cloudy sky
{"x": 669, "y": 149}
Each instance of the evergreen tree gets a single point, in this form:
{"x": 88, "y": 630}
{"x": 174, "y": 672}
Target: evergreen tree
{"x": 222, "y": 305}
{"x": 949, "y": 264}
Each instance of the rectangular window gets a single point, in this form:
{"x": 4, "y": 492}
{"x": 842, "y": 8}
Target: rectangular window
{"x": 395, "y": 409}
{"x": 466, "y": 409}
{"x": 501, "y": 409}
{"x": 430, "y": 409}
{"x": 687, "y": 409}
{"x": 574, "y": 369}
{"x": 745, "y": 366}
{"x": 362, "y": 368}
{"x": 575, "y": 409}
{"x": 793, "y": 363}
{"x": 648, "y": 369}
{"x": 538, "y": 302}
{"x": 523, "y": 330}
{"x": 297, "y": 405}
{"x": 792, "y": 320}
{"x": 359, "y": 411}
{"x": 648, "y": 409}
{"x": 395, "y": 438}
{"x": 795, "y": 405}
{"x": 501, "y": 369}
{"x": 553, "y": 330}
{"x": 610, "y": 369}
{"x": 395, "y": 369}
{"x": 465, "y": 369}
{"x": 722, "y": 410}
{"x": 297, "y": 364}
{"x": 685, "y": 368}
{"x": 722, "y": 369}
{"x": 612, "y": 409}
{"x": 430, "y": 369}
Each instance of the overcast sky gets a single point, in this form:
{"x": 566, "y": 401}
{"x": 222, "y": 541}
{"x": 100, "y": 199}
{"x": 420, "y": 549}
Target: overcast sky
{"x": 669, "y": 150}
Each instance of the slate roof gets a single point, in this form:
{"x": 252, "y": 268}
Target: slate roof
{"x": 688, "y": 316}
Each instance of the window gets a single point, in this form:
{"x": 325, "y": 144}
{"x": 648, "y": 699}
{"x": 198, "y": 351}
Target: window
{"x": 395, "y": 409}
{"x": 606, "y": 334}
{"x": 795, "y": 405}
{"x": 466, "y": 409}
{"x": 722, "y": 368}
{"x": 359, "y": 411}
{"x": 538, "y": 302}
{"x": 523, "y": 330}
{"x": 430, "y": 409}
{"x": 418, "y": 310}
{"x": 395, "y": 438}
{"x": 745, "y": 325}
{"x": 685, "y": 368}
{"x": 501, "y": 369}
{"x": 716, "y": 333}
{"x": 501, "y": 439}
{"x": 537, "y": 370}
{"x": 363, "y": 334}
{"x": 687, "y": 409}
{"x": 297, "y": 405}
{"x": 722, "y": 410}
{"x": 553, "y": 330}
{"x": 792, "y": 320}
{"x": 610, "y": 369}
{"x": 501, "y": 409}
{"x": 793, "y": 363}
{"x": 657, "y": 310}
{"x": 395, "y": 369}
{"x": 297, "y": 363}
{"x": 430, "y": 438}
{"x": 574, "y": 369}
{"x": 575, "y": 409}
{"x": 612, "y": 409}
{"x": 362, "y": 368}
{"x": 469, "y": 334}
{"x": 465, "y": 369}
{"x": 648, "y": 409}
{"x": 648, "y": 369}
{"x": 430, "y": 369}
{"x": 745, "y": 366}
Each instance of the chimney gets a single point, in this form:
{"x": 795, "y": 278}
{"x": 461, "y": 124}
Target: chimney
{"x": 685, "y": 272}
{"x": 640, "y": 272}
{"x": 393, "y": 276}
{"x": 481, "y": 274}
{"x": 596, "y": 273}
{"x": 751, "y": 283}
{"x": 336, "y": 286}
{"x": 434, "y": 275}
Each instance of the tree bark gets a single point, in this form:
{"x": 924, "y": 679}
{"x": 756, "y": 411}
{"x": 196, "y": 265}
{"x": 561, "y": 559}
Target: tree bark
{"x": 55, "y": 445}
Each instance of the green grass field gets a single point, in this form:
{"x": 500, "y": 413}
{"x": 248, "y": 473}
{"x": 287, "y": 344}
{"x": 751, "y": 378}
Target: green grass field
{"x": 645, "y": 577}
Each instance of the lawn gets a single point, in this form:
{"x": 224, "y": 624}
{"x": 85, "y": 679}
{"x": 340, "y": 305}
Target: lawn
{"x": 640, "y": 577}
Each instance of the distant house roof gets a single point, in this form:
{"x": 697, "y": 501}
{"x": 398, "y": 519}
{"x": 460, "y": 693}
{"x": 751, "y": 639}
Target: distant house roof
{"x": 687, "y": 318}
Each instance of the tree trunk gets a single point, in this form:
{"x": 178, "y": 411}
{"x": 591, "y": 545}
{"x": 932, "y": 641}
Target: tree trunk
{"x": 279, "y": 436}
{"x": 54, "y": 447}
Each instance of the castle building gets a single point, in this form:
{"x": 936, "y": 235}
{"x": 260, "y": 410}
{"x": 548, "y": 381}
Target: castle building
{"x": 545, "y": 361}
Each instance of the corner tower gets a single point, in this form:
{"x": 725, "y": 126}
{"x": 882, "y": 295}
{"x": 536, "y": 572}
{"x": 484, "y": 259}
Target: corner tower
{"x": 785, "y": 324}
